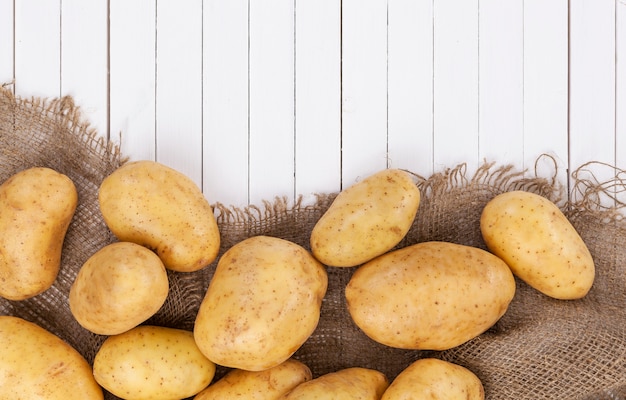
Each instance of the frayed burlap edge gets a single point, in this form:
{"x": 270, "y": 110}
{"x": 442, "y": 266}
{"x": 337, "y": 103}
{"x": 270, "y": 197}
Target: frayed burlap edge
{"x": 64, "y": 113}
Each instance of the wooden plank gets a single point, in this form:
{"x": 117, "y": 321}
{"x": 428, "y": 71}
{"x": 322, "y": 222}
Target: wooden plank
{"x": 179, "y": 86}
{"x": 456, "y": 84}
{"x": 7, "y": 43}
{"x": 620, "y": 84}
{"x": 410, "y": 86}
{"x": 402, "y": 85}
{"x": 501, "y": 81}
{"x": 364, "y": 89}
{"x": 318, "y": 97}
{"x": 271, "y": 75}
{"x": 546, "y": 85}
{"x": 132, "y": 77}
{"x": 592, "y": 86}
{"x": 38, "y": 48}
{"x": 84, "y": 58}
{"x": 225, "y": 101}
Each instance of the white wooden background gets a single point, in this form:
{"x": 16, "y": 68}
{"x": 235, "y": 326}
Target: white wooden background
{"x": 257, "y": 98}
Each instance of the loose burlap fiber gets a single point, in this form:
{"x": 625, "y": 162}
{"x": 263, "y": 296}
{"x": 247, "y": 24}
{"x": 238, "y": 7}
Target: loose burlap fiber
{"x": 540, "y": 349}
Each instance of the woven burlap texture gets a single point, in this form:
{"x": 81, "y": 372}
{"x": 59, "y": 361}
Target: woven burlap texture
{"x": 540, "y": 349}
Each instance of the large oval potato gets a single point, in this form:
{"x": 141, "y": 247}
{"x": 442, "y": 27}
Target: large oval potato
{"x": 153, "y": 205}
{"x": 366, "y": 220}
{"x": 533, "y": 236}
{"x": 36, "y": 208}
{"x": 345, "y": 384}
{"x": 429, "y": 296}
{"x": 431, "y": 378}
{"x": 262, "y": 304}
{"x": 120, "y": 286}
{"x": 152, "y": 363}
{"x": 268, "y": 384}
{"x": 36, "y": 364}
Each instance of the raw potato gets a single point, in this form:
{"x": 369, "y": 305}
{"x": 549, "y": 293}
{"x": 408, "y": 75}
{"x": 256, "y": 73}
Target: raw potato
{"x": 36, "y": 364}
{"x": 533, "y": 236}
{"x": 262, "y": 304}
{"x": 366, "y": 220}
{"x": 269, "y": 384}
{"x": 120, "y": 286}
{"x": 36, "y": 208}
{"x": 430, "y": 295}
{"x": 150, "y": 204}
{"x": 152, "y": 363}
{"x": 431, "y": 378}
{"x": 346, "y": 384}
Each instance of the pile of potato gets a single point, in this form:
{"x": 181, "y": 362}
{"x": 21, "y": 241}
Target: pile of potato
{"x": 264, "y": 299}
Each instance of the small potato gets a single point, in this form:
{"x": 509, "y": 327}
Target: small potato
{"x": 346, "y": 384}
{"x": 431, "y": 378}
{"x": 366, "y": 220}
{"x": 152, "y": 363}
{"x": 36, "y": 208}
{"x": 262, "y": 304}
{"x": 150, "y": 204}
{"x": 269, "y": 384}
{"x": 119, "y": 287}
{"x": 36, "y": 364}
{"x": 429, "y": 296}
{"x": 540, "y": 245}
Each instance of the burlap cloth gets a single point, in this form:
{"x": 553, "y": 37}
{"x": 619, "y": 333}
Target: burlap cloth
{"x": 540, "y": 349}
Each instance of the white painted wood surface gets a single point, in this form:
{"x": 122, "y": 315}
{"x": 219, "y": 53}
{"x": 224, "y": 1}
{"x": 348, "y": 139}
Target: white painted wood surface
{"x": 256, "y": 99}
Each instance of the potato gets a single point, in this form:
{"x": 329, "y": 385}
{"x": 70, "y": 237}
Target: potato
{"x": 120, "y": 286}
{"x": 269, "y": 384}
{"x": 430, "y": 295}
{"x": 345, "y": 384}
{"x": 37, "y": 364}
{"x": 36, "y": 208}
{"x": 153, "y": 205}
{"x": 431, "y": 378}
{"x": 366, "y": 220}
{"x": 540, "y": 245}
{"x": 152, "y": 363}
{"x": 261, "y": 305}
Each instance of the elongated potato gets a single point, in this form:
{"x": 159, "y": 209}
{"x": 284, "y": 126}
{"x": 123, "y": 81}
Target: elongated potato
{"x": 268, "y": 384}
{"x": 120, "y": 286}
{"x": 533, "y": 236}
{"x": 36, "y": 208}
{"x": 366, "y": 220}
{"x": 429, "y": 296}
{"x": 345, "y": 384}
{"x": 152, "y": 363}
{"x": 36, "y": 364}
{"x": 262, "y": 304}
{"x": 153, "y": 205}
{"x": 431, "y": 378}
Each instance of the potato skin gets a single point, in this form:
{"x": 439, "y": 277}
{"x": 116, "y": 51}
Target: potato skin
{"x": 152, "y": 363}
{"x": 431, "y": 378}
{"x": 153, "y": 205}
{"x": 268, "y": 384}
{"x": 261, "y": 305}
{"x": 430, "y": 295}
{"x": 36, "y": 364}
{"x": 533, "y": 236}
{"x": 345, "y": 384}
{"x": 36, "y": 208}
{"x": 120, "y": 286}
{"x": 366, "y": 220}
